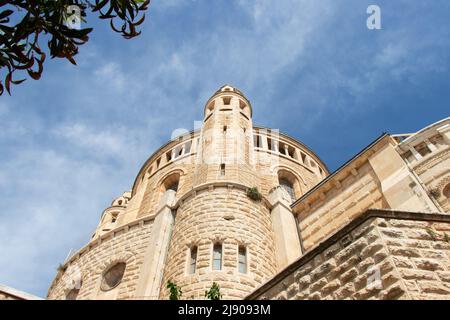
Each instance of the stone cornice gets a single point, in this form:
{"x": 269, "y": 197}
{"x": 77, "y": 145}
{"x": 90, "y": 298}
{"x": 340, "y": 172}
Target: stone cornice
{"x": 222, "y": 184}
{"x": 427, "y": 162}
{"x": 287, "y": 138}
{"x": 333, "y": 180}
{"x": 20, "y": 295}
{"x": 161, "y": 150}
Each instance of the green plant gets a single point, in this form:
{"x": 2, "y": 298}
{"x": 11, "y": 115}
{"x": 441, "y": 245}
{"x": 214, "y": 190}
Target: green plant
{"x": 254, "y": 194}
{"x": 214, "y": 292}
{"x": 175, "y": 292}
{"x": 431, "y": 233}
{"x": 61, "y": 268}
{"x": 446, "y": 238}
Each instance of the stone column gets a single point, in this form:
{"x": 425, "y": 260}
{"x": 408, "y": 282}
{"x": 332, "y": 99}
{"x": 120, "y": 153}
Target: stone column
{"x": 265, "y": 145}
{"x": 445, "y": 132}
{"x": 154, "y": 259}
{"x": 430, "y": 146}
{"x": 297, "y": 155}
{"x": 414, "y": 152}
{"x": 287, "y": 242}
{"x": 400, "y": 187}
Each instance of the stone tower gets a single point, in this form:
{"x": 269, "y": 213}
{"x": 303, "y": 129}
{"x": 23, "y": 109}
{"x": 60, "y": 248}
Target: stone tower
{"x": 189, "y": 217}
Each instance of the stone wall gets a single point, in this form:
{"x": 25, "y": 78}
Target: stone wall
{"x": 126, "y": 244}
{"x": 427, "y": 154}
{"x": 420, "y": 251}
{"x": 220, "y": 214}
{"x": 377, "y": 178}
{"x": 380, "y": 255}
{"x": 153, "y": 188}
{"x": 355, "y": 194}
{"x": 434, "y": 171}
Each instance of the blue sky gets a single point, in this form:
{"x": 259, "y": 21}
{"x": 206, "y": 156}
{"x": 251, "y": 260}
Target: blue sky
{"x": 75, "y": 139}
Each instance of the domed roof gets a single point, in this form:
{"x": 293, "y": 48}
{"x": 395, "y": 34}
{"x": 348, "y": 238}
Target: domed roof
{"x": 227, "y": 87}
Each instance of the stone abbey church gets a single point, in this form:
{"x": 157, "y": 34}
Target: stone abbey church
{"x": 258, "y": 212}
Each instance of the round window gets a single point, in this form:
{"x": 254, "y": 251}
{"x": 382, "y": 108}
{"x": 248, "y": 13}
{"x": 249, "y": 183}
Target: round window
{"x": 113, "y": 276}
{"x": 446, "y": 191}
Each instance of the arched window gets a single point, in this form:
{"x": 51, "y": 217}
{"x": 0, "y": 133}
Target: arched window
{"x": 244, "y": 109}
{"x": 217, "y": 256}
{"x": 242, "y": 259}
{"x": 288, "y": 186}
{"x": 193, "y": 260}
{"x": 289, "y": 183}
{"x": 114, "y": 216}
{"x": 210, "y": 108}
{"x": 171, "y": 182}
{"x": 72, "y": 294}
{"x": 226, "y": 101}
{"x": 173, "y": 186}
{"x": 113, "y": 276}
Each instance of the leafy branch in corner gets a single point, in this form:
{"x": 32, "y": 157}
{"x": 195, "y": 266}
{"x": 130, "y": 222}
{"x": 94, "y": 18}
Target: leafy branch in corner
{"x": 23, "y": 22}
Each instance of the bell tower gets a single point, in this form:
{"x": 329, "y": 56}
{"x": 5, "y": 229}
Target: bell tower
{"x": 226, "y": 143}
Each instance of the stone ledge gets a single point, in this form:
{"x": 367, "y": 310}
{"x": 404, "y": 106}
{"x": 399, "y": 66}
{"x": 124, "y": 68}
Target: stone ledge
{"x": 334, "y": 238}
{"x": 17, "y": 294}
{"x": 221, "y": 184}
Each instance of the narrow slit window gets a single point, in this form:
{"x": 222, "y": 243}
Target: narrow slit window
{"x": 303, "y": 158}
{"x": 422, "y": 149}
{"x": 257, "y": 141}
{"x": 217, "y": 256}
{"x": 269, "y": 144}
{"x": 291, "y": 151}
{"x": 282, "y": 148}
{"x": 242, "y": 259}
{"x": 193, "y": 260}
{"x": 222, "y": 169}
{"x": 114, "y": 217}
{"x": 226, "y": 101}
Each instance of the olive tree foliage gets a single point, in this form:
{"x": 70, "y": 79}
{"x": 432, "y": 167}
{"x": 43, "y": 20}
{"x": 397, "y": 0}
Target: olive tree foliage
{"x": 23, "y": 24}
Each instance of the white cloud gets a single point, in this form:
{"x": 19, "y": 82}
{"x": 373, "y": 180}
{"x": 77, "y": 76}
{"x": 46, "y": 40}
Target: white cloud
{"x": 104, "y": 141}
{"x": 3, "y": 108}
{"x": 111, "y": 73}
{"x": 48, "y": 207}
